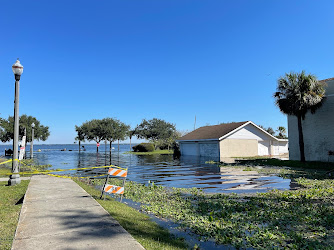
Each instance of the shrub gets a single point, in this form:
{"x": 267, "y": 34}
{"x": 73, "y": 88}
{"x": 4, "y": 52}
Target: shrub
{"x": 177, "y": 151}
{"x": 143, "y": 147}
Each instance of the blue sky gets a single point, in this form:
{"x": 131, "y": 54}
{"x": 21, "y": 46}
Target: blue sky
{"x": 218, "y": 60}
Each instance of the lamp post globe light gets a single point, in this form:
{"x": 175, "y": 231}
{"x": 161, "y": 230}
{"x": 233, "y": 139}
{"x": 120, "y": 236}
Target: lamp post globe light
{"x": 15, "y": 177}
{"x": 32, "y": 140}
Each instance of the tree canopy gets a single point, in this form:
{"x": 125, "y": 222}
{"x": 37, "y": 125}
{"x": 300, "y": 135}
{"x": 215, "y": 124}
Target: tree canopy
{"x": 155, "y": 130}
{"x": 281, "y": 132}
{"x": 108, "y": 129}
{"x": 80, "y": 133}
{"x": 270, "y": 130}
{"x": 93, "y": 130}
{"x": 41, "y": 132}
{"x": 298, "y": 93}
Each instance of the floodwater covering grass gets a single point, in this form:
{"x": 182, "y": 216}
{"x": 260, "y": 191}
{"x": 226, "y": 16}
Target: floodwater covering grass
{"x": 26, "y": 166}
{"x": 148, "y": 233}
{"x": 156, "y": 152}
{"x": 302, "y": 218}
{"x": 9, "y": 211}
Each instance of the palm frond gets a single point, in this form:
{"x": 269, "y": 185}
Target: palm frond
{"x": 299, "y": 92}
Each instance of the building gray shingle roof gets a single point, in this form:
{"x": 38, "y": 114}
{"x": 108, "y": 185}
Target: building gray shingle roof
{"x": 212, "y": 132}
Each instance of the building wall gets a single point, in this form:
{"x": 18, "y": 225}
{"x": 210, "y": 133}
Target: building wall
{"x": 200, "y": 148}
{"x": 240, "y": 148}
{"x": 318, "y": 130}
{"x": 209, "y": 149}
{"x": 189, "y": 148}
{"x": 283, "y": 147}
{"x": 266, "y": 145}
{"x": 250, "y": 132}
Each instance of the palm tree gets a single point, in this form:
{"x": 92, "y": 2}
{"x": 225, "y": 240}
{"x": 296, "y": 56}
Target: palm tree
{"x": 281, "y": 132}
{"x": 296, "y": 94}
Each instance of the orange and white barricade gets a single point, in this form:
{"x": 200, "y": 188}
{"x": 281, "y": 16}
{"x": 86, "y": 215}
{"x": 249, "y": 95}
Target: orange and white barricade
{"x": 112, "y": 189}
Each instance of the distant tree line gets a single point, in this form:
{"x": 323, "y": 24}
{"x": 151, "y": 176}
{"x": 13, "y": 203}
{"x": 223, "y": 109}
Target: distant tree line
{"x": 160, "y": 133}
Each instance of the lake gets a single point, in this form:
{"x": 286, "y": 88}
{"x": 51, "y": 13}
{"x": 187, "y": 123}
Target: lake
{"x": 186, "y": 172}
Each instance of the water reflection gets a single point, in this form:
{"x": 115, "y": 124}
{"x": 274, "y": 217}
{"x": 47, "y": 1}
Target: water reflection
{"x": 186, "y": 172}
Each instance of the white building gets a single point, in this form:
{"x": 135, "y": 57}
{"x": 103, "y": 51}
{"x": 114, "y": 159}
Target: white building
{"x": 236, "y": 139}
{"x": 318, "y": 130}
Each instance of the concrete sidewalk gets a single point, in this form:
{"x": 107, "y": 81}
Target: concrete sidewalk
{"x": 7, "y": 178}
{"x": 58, "y": 214}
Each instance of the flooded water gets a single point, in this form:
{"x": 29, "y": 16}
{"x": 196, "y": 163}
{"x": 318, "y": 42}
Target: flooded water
{"x": 186, "y": 172}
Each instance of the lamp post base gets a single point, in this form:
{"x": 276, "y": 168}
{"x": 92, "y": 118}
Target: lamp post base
{"x": 14, "y": 179}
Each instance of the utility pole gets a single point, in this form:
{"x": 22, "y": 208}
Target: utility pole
{"x": 195, "y": 123}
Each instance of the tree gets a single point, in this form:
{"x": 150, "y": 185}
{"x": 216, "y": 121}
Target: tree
{"x": 131, "y": 133}
{"x": 172, "y": 139}
{"x": 281, "y": 133}
{"x": 121, "y": 131}
{"x": 80, "y": 135}
{"x": 107, "y": 129}
{"x": 154, "y": 130}
{"x": 296, "y": 94}
{"x": 93, "y": 131}
{"x": 109, "y": 126}
{"x": 7, "y": 129}
{"x": 270, "y": 130}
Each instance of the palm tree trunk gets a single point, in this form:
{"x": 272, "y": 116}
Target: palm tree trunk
{"x": 301, "y": 139}
{"x": 118, "y": 145}
{"x": 130, "y": 143}
{"x": 79, "y": 146}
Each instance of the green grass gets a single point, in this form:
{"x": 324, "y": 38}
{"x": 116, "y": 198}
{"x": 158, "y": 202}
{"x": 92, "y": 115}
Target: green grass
{"x": 148, "y": 233}
{"x": 156, "y": 152}
{"x": 26, "y": 167}
{"x": 9, "y": 211}
{"x": 299, "y": 219}
{"x": 4, "y": 171}
{"x": 286, "y": 163}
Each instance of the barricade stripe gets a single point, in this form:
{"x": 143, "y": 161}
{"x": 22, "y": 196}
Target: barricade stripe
{"x": 113, "y": 189}
{"x": 117, "y": 172}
